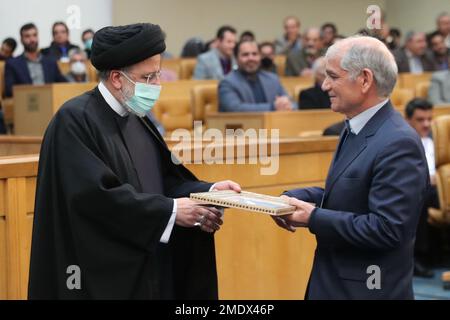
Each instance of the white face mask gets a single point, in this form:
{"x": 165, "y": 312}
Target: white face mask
{"x": 78, "y": 68}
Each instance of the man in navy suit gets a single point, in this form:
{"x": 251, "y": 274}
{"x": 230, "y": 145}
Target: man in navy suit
{"x": 250, "y": 89}
{"x": 31, "y": 67}
{"x": 366, "y": 217}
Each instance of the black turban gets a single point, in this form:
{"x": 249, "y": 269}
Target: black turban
{"x": 118, "y": 47}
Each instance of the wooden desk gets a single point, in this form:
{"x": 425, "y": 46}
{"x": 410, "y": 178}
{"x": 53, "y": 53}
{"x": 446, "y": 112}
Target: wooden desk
{"x": 34, "y": 106}
{"x": 19, "y": 145}
{"x": 290, "y": 123}
{"x": 255, "y": 258}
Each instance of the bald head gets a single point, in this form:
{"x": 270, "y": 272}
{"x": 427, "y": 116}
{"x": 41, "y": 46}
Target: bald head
{"x": 360, "y": 52}
{"x": 313, "y": 40}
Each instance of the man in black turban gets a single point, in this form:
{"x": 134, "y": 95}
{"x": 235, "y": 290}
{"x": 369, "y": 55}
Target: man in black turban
{"x": 112, "y": 220}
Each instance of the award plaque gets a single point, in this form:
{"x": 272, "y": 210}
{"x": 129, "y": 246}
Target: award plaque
{"x": 250, "y": 201}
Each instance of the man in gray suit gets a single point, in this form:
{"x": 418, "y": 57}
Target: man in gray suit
{"x": 414, "y": 57}
{"x": 300, "y": 62}
{"x": 439, "y": 92}
{"x": 219, "y": 61}
{"x": 249, "y": 88}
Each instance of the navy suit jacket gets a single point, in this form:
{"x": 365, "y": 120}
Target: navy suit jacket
{"x": 369, "y": 213}
{"x": 16, "y": 72}
{"x": 235, "y": 94}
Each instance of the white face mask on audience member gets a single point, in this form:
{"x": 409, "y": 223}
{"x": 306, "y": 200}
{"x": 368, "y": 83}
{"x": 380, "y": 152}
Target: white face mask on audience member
{"x": 78, "y": 68}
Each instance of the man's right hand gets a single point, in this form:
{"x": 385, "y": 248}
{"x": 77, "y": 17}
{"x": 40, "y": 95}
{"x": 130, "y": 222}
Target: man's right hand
{"x": 191, "y": 214}
{"x": 282, "y": 103}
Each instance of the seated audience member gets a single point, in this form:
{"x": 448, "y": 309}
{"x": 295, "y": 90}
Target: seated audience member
{"x": 219, "y": 61}
{"x": 328, "y": 33}
{"x": 393, "y": 41}
{"x": 335, "y": 129}
{"x": 267, "y": 50}
{"x": 247, "y": 35}
{"x": 87, "y": 37}
{"x": 439, "y": 91}
{"x": 419, "y": 114}
{"x": 60, "y": 46}
{"x": 78, "y": 72}
{"x": 414, "y": 57}
{"x": 441, "y": 54}
{"x": 291, "y": 39}
{"x": 7, "y": 48}
{"x": 315, "y": 97}
{"x": 299, "y": 63}
{"x": 31, "y": 67}
{"x": 443, "y": 27}
{"x": 249, "y": 88}
{"x": 192, "y": 48}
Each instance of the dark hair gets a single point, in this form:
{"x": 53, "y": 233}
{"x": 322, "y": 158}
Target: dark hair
{"x": 238, "y": 46}
{"x": 27, "y": 27}
{"x": 329, "y": 25}
{"x": 267, "y": 44}
{"x": 223, "y": 29}
{"x": 417, "y": 103}
{"x": 11, "y": 43}
{"x": 86, "y": 31}
{"x": 59, "y": 23}
{"x": 395, "y": 32}
{"x": 247, "y": 33}
{"x": 431, "y": 36}
{"x": 192, "y": 48}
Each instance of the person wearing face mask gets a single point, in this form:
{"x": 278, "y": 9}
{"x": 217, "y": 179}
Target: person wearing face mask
{"x": 87, "y": 36}
{"x": 77, "y": 71}
{"x": 267, "y": 50}
{"x": 111, "y": 200}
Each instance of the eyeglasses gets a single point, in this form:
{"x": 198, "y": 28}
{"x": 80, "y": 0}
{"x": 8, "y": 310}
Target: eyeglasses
{"x": 149, "y": 77}
{"x": 153, "y": 76}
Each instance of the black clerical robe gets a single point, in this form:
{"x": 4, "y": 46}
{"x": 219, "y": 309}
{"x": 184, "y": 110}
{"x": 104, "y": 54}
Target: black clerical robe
{"x": 99, "y": 208}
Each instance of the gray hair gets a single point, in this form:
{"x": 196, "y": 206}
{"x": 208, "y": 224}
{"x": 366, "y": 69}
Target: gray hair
{"x": 442, "y": 15}
{"x": 319, "y": 66}
{"x": 367, "y": 52}
{"x": 104, "y": 74}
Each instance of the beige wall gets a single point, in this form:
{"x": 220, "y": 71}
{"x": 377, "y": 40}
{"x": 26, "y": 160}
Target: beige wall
{"x": 419, "y": 15}
{"x": 183, "y": 19}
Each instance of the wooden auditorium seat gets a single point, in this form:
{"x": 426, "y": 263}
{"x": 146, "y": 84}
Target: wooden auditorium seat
{"x": 204, "y": 100}
{"x": 289, "y": 83}
{"x": 2, "y": 78}
{"x": 422, "y": 89}
{"x": 280, "y": 62}
{"x": 174, "y": 113}
{"x": 400, "y": 97}
{"x": 187, "y": 66}
{"x": 410, "y": 80}
{"x": 441, "y": 137}
{"x": 172, "y": 65}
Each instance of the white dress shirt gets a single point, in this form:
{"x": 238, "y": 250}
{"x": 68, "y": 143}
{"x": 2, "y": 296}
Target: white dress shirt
{"x": 428, "y": 145}
{"x": 358, "y": 122}
{"x": 415, "y": 64}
